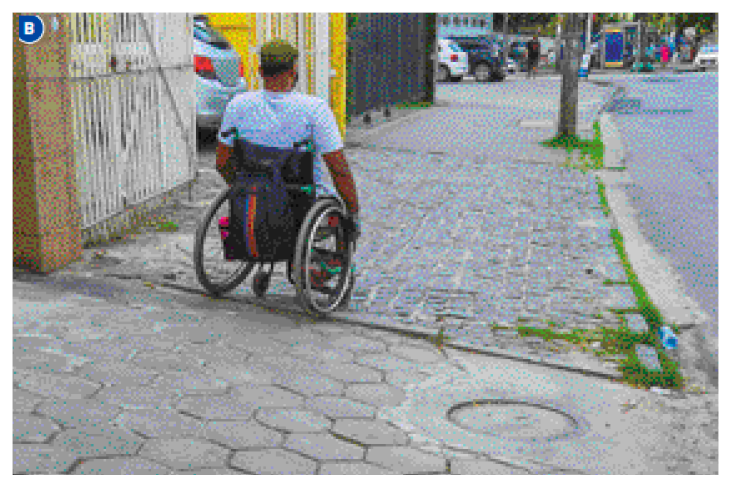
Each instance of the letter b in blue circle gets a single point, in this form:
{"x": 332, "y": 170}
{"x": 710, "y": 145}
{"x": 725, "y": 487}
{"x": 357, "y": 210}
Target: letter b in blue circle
{"x": 31, "y": 28}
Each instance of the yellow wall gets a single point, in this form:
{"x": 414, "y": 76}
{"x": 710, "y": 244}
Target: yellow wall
{"x": 241, "y": 30}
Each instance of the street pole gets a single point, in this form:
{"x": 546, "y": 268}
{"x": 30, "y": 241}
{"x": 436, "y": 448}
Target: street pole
{"x": 559, "y": 44}
{"x": 506, "y": 44}
{"x": 569, "y": 77}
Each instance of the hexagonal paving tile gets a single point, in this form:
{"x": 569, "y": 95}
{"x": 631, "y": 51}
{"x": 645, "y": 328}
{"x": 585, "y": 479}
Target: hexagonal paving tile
{"x": 293, "y": 420}
{"x": 323, "y": 447}
{"x": 24, "y": 401}
{"x": 76, "y": 413}
{"x": 137, "y": 397}
{"x": 35, "y": 458}
{"x": 358, "y": 344}
{"x": 241, "y": 435}
{"x": 356, "y": 468}
{"x": 257, "y": 343}
{"x": 319, "y": 351}
{"x": 116, "y": 374}
{"x": 273, "y": 461}
{"x": 166, "y": 360}
{"x": 483, "y": 466}
{"x": 191, "y": 333}
{"x": 387, "y": 362}
{"x": 188, "y": 383}
{"x": 406, "y": 460}
{"x": 370, "y": 432}
{"x": 57, "y": 386}
{"x": 31, "y": 428}
{"x": 185, "y": 453}
{"x": 239, "y": 374}
{"x": 348, "y": 372}
{"x": 377, "y": 394}
{"x": 417, "y": 354}
{"x": 405, "y": 378}
{"x": 223, "y": 407}
{"x": 119, "y": 466}
{"x": 211, "y": 472}
{"x": 40, "y": 361}
{"x": 310, "y": 384}
{"x": 338, "y": 407}
{"x": 266, "y": 396}
{"x": 99, "y": 441}
{"x": 160, "y": 423}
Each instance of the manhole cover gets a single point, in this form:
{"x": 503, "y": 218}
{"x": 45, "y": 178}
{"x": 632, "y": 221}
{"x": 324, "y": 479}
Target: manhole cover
{"x": 512, "y": 419}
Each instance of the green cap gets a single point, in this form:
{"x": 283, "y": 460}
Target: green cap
{"x": 278, "y": 52}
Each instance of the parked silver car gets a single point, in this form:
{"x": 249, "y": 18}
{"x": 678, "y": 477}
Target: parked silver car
{"x": 219, "y": 73}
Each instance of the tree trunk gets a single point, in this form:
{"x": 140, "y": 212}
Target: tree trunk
{"x": 569, "y": 77}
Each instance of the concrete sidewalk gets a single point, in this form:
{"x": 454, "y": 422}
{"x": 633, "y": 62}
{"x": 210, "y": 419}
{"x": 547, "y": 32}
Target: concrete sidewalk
{"x": 123, "y": 366}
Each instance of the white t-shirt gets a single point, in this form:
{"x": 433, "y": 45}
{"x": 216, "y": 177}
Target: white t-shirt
{"x": 279, "y": 120}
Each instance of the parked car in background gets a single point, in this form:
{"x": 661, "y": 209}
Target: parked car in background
{"x": 483, "y": 58}
{"x": 707, "y": 57}
{"x": 219, "y": 73}
{"x": 453, "y": 63}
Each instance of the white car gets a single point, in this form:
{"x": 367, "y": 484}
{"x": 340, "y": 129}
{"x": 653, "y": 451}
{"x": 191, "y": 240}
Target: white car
{"x": 707, "y": 57}
{"x": 453, "y": 64}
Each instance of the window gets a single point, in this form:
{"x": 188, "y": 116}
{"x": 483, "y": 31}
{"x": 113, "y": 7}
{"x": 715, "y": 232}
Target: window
{"x": 483, "y": 23}
{"x": 445, "y": 20}
{"x": 455, "y": 21}
{"x": 474, "y": 22}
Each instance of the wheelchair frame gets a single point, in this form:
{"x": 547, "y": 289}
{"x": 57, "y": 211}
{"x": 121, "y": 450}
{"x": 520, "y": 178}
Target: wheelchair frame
{"x": 305, "y": 253}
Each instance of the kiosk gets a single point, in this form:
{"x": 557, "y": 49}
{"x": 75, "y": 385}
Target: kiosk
{"x": 616, "y": 36}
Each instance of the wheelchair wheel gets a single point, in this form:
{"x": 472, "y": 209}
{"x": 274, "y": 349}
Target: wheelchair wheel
{"x": 323, "y": 273}
{"x": 216, "y": 274}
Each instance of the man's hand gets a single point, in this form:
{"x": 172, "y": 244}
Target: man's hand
{"x": 354, "y": 221}
{"x": 223, "y": 163}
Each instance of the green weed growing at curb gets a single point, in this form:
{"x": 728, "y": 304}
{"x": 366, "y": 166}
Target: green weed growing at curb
{"x": 592, "y": 149}
{"x": 632, "y": 369}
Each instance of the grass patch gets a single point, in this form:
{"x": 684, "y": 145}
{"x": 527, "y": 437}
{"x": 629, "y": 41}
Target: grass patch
{"x": 592, "y": 151}
{"x": 602, "y": 190}
{"x": 414, "y": 105}
{"x": 632, "y": 369}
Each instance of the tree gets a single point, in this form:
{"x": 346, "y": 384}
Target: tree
{"x": 570, "y": 32}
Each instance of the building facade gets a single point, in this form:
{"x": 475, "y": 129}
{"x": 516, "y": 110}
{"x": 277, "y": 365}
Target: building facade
{"x": 467, "y": 25}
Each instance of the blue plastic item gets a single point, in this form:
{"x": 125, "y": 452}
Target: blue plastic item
{"x": 667, "y": 337}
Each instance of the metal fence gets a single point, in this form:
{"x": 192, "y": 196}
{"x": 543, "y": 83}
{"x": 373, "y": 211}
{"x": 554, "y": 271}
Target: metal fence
{"x": 133, "y": 95}
{"x": 388, "y": 60}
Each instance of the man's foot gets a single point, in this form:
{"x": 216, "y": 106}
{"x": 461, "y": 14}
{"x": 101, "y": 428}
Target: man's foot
{"x": 319, "y": 275}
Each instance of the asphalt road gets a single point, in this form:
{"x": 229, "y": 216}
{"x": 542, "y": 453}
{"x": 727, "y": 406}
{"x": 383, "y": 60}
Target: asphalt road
{"x": 669, "y": 127}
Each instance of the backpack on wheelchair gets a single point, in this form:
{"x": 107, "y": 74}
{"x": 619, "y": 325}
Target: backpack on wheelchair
{"x": 274, "y": 216}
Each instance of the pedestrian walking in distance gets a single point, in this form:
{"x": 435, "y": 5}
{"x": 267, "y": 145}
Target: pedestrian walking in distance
{"x": 533, "y": 54}
{"x": 665, "y": 55}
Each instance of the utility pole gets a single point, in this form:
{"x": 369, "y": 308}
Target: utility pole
{"x": 569, "y": 76}
{"x": 506, "y": 44}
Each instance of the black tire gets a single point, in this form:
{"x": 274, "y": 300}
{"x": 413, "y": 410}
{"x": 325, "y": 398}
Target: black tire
{"x": 306, "y": 253}
{"x": 206, "y": 236}
{"x": 443, "y": 74}
{"x": 455, "y": 79}
{"x": 483, "y": 73}
{"x": 260, "y": 283}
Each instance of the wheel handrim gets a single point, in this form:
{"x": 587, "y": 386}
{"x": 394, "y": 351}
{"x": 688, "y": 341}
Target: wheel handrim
{"x": 305, "y": 289}
{"x": 209, "y": 248}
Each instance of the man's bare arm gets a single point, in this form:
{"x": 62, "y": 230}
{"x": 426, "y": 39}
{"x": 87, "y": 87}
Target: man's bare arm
{"x": 343, "y": 179}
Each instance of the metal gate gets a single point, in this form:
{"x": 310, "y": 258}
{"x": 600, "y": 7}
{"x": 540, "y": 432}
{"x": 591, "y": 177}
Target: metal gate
{"x": 133, "y": 95}
{"x": 387, "y": 61}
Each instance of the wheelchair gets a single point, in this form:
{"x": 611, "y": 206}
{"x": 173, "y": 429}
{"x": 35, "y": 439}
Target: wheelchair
{"x": 320, "y": 266}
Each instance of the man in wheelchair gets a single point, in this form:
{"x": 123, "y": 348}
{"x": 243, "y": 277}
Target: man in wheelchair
{"x": 280, "y": 118}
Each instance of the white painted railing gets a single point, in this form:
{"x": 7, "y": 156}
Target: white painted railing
{"x": 133, "y": 107}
